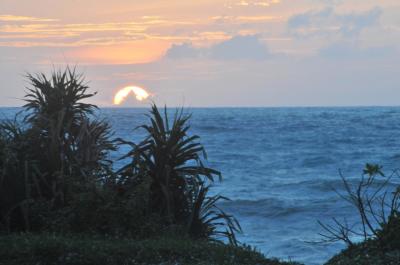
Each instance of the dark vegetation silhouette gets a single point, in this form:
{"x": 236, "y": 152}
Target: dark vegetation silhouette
{"x": 375, "y": 197}
{"x": 56, "y": 175}
{"x": 172, "y": 162}
{"x": 57, "y": 180}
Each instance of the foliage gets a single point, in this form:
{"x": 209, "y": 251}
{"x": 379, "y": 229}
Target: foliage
{"x": 207, "y": 220}
{"x": 377, "y": 203}
{"x": 109, "y": 212}
{"x": 69, "y": 143}
{"x": 366, "y": 253}
{"x": 60, "y": 150}
{"x": 61, "y": 94}
{"x": 56, "y": 175}
{"x": 16, "y": 168}
{"x": 172, "y": 160}
{"x": 49, "y": 249}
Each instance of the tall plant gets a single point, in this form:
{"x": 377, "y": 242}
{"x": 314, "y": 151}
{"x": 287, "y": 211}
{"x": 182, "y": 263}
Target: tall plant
{"x": 60, "y": 95}
{"x": 377, "y": 203}
{"x": 60, "y": 149}
{"x": 69, "y": 144}
{"x": 207, "y": 220}
{"x": 15, "y": 168}
{"x": 173, "y": 161}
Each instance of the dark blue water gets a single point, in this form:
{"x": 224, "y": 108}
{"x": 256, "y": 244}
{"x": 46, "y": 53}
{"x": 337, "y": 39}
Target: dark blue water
{"x": 281, "y": 164}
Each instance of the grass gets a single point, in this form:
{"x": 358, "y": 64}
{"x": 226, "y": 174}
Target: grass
{"x": 46, "y": 249}
{"x": 366, "y": 253}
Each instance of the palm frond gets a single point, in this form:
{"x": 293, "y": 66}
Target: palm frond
{"x": 175, "y": 163}
{"x": 207, "y": 220}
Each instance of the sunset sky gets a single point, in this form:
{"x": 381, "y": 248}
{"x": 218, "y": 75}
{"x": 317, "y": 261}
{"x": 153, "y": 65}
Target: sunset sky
{"x": 210, "y": 52}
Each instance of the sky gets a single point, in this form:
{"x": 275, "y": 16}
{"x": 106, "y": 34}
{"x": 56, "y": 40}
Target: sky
{"x": 209, "y": 53}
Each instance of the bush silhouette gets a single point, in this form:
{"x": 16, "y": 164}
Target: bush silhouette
{"x": 55, "y": 172}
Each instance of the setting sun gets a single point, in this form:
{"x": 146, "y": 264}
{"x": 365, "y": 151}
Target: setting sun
{"x": 122, "y": 94}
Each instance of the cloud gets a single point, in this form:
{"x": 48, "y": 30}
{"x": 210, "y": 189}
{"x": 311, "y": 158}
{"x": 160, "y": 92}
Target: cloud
{"x": 251, "y": 3}
{"x": 240, "y": 47}
{"x": 329, "y": 2}
{"x": 182, "y": 51}
{"x": 16, "y": 31}
{"x": 245, "y": 19}
{"x": 247, "y": 47}
{"x": 13, "y": 18}
{"x": 350, "y": 51}
{"x": 327, "y": 21}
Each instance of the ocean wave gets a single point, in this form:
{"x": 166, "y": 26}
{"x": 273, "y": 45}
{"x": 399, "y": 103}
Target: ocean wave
{"x": 320, "y": 185}
{"x": 273, "y": 207}
{"x": 317, "y": 161}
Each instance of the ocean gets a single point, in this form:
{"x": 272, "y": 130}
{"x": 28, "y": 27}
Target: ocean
{"x": 280, "y": 166}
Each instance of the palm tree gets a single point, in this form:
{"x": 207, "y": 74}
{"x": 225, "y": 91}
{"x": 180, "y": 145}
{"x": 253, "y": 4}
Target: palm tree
{"x": 58, "y": 96}
{"x": 173, "y": 161}
{"x": 68, "y": 143}
{"x": 61, "y": 149}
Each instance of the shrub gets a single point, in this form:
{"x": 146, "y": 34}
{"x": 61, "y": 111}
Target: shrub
{"x": 84, "y": 250}
{"x": 208, "y": 221}
{"x": 377, "y": 204}
{"x": 61, "y": 150}
{"x": 56, "y": 175}
{"x": 173, "y": 163}
{"x": 16, "y": 168}
{"x": 71, "y": 149}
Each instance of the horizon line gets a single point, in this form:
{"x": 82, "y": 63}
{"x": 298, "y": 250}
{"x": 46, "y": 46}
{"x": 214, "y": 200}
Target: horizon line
{"x": 238, "y": 107}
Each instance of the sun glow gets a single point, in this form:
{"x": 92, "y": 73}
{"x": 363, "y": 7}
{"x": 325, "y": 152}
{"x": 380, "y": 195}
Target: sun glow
{"x": 122, "y": 94}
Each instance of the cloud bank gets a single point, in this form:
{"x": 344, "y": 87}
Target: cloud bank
{"x": 328, "y": 21}
{"x": 237, "y": 48}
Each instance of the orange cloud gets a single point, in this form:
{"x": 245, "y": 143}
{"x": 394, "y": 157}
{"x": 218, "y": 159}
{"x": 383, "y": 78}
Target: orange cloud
{"x": 258, "y": 18}
{"x": 14, "y": 18}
